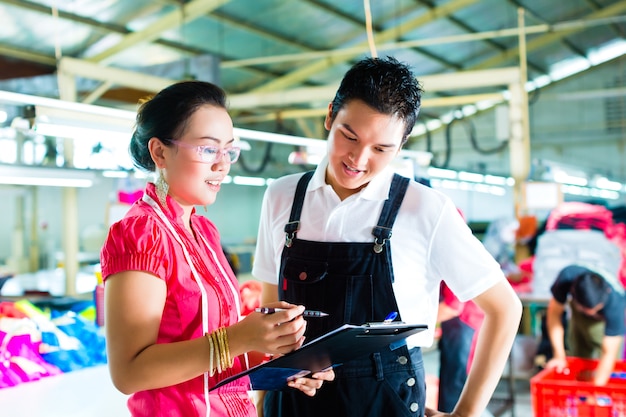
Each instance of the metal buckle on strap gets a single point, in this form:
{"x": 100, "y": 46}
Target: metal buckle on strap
{"x": 382, "y": 234}
{"x": 378, "y": 246}
{"x": 290, "y": 232}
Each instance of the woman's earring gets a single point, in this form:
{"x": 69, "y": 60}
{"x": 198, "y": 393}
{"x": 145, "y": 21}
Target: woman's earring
{"x": 161, "y": 188}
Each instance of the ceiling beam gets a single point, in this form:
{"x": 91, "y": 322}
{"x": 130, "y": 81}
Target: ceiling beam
{"x": 27, "y": 56}
{"x": 543, "y": 40}
{"x": 115, "y": 76}
{"x": 432, "y": 83}
{"x": 307, "y": 71}
{"x": 427, "y": 103}
{"x": 104, "y": 27}
{"x": 468, "y": 37}
{"x": 190, "y": 11}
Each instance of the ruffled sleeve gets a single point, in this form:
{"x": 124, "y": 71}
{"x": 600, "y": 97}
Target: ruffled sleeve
{"x": 136, "y": 244}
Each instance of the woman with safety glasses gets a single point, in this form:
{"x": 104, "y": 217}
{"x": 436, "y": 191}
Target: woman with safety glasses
{"x": 172, "y": 310}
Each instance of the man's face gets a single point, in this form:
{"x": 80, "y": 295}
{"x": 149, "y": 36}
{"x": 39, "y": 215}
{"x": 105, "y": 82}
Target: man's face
{"x": 361, "y": 143}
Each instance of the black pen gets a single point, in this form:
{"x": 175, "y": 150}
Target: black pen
{"x": 305, "y": 313}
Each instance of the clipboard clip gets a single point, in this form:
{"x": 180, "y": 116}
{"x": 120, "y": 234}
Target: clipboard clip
{"x": 383, "y": 323}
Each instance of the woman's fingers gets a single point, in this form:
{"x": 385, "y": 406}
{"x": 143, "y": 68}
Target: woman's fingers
{"x": 309, "y": 386}
{"x": 326, "y": 375}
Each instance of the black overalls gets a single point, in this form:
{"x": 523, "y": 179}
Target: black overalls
{"x": 353, "y": 283}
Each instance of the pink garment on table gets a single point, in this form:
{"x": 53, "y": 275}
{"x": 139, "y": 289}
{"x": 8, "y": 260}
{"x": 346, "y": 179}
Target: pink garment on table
{"x": 579, "y": 215}
{"x": 469, "y": 313}
{"x": 20, "y": 360}
{"x": 140, "y": 241}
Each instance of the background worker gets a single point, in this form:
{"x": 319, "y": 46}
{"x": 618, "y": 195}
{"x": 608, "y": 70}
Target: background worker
{"x": 596, "y": 326}
{"x": 459, "y": 324}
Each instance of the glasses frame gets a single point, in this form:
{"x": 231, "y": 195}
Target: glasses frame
{"x": 219, "y": 154}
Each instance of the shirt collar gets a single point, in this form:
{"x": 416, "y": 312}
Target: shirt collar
{"x": 173, "y": 210}
{"x": 377, "y": 189}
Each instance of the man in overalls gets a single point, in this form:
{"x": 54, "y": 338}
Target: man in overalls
{"x": 596, "y": 326}
{"x": 325, "y": 241}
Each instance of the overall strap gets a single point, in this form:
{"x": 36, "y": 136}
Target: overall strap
{"x": 382, "y": 232}
{"x": 296, "y": 208}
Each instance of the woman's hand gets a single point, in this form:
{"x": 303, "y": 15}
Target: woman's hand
{"x": 309, "y": 386}
{"x": 276, "y": 333}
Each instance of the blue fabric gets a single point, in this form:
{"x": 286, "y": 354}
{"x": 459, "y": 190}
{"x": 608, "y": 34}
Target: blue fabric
{"x": 91, "y": 350}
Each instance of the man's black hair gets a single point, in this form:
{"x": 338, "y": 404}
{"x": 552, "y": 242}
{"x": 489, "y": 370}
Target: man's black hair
{"x": 386, "y": 85}
{"x": 589, "y": 289}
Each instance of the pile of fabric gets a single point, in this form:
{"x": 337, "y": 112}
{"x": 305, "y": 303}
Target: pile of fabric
{"x": 581, "y": 233}
{"x": 38, "y": 341}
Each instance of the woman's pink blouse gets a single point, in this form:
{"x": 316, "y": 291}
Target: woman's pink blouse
{"x": 142, "y": 242}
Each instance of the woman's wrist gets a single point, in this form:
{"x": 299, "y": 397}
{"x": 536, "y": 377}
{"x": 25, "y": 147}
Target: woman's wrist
{"x": 219, "y": 351}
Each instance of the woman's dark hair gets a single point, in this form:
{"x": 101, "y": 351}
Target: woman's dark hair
{"x": 166, "y": 115}
{"x": 384, "y": 84}
{"x": 589, "y": 289}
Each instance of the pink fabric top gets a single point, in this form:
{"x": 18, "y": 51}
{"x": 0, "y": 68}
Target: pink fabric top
{"x": 142, "y": 242}
{"x": 469, "y": 313}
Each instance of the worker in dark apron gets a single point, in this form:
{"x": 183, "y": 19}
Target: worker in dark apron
{"x": 325, "y": 242}
{"x": 352, "y": 282}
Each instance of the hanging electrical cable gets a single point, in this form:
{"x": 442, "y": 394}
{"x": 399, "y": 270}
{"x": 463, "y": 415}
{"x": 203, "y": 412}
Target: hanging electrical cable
{"x": 471, "y": 132}
{"x": 429, "y": 148}
{"x": 267, "y": 156}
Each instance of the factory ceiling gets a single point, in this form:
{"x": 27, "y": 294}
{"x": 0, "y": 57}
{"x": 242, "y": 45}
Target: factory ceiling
{"x": 280, "y": 60}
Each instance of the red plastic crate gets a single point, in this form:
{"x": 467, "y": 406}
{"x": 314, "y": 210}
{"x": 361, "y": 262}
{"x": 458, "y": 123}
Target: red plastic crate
{"x": 567, "y": 394}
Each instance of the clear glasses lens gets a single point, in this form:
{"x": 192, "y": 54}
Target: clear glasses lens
{"x": 210, "y": 154}
{"x": 233, "y": 154}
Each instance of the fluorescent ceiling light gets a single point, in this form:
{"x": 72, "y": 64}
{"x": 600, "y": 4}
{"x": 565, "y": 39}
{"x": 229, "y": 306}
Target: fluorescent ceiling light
{"x": 254, "y": 181}
{"x": 114, "y": 174}
{"x": 279, "y": 138}
{"x": 75, "y": 108}
{"x": 470, "y": 176}
{"x": 75, "y": 132}
{"x": 442, "y": 173}
{"x": 606, "y": 184}
{"x": 495, "y": 180}
{"x": 53, "y": 177}
{"x": 607, "y": 52}
{"x": 565, "y": 178}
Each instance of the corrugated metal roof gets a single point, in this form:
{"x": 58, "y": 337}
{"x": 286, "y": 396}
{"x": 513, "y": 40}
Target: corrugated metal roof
{"x": 278, "y": 45}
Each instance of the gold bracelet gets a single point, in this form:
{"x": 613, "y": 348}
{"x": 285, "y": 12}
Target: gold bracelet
{"x": 224, "y": 355}
{"x": 211, "y": 354}
{"x": 218, "y": 355}
{"x": 229, "y": 361}
{"x": 219, "y": 351}
{"x": 220, "y": 341}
